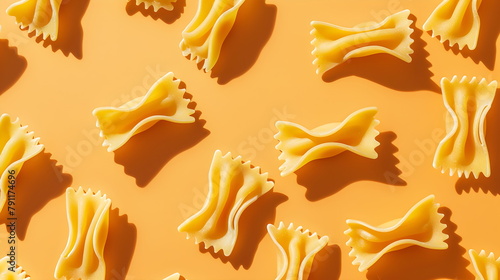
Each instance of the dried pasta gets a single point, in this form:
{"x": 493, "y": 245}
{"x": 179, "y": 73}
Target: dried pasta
{"x": 17, "y": 145}
{"x": 175, "y": 276}
{"x": 88, "y": 220}
{"x": 299, "y": 145}
{"x": 157, "y": 4}
{"x": 41, "y": 16}
{"x": 164, "y": 101}
{"x": 463, "y": 149}
{"x": 487, "y": 267}
{"x": 456, "y": 21}
{"x": 203, "y": 37}
{"x": 297, "y": 248}
{"x": 7, "y": 273}
{"x": 334, "y": 44}
{"x": 421, "y": 226}
{"x": 233, "y": 186}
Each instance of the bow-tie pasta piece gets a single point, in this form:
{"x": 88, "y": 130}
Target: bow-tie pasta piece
{"x": 175, "y": 276}
{"x": 463, "y": 149}
{"x": 299, "y": 145}
{"x": 41, "y": 16}
{"x": 233, "y": 186}
{"x": 203, "y": 37}
{"x": 420, "y": 226}
{"x": 6, "y": 273}
{"x": 334, "y": 44}
{"x": 88, "y": 220}
{"x": 297, "y": 248}
{"x": 487, "y": 267}
{"x": 156, "y": 4}
{"x": 455, "y": 21}
{"x": 17, "y": 145}
{"x": 163, "y": 102}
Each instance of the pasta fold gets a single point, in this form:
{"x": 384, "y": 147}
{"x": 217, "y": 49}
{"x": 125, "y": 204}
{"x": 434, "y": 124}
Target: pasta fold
{"x": 421, "y": 226}
{"x": 233, "y": 186}
{"x": 463, "y": 149}
{"x": 299, "y": 145}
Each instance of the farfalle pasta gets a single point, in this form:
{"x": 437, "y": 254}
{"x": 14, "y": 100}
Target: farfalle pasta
{"x": 456, "y": 21}
{"x": 463, "y": 149}
{"x": 41, "y": 16}
{"x": 421, "y": 226}
{"x": 156, "y": 4}
{"x": 299, "y": 145}
{"x": 88, "y": 220}
{"x": 17, "y": 145}
{"x": 297, "y": 248}
{"x": 7, "y": 272}
{"x": 334, "y": 44}
{"x": 175, "y": 276}
{"x": 163, "y": 102}
{"x": 203, "y": 37}
{"x": 486, "y": 266}
{"x": 233, "y": 186}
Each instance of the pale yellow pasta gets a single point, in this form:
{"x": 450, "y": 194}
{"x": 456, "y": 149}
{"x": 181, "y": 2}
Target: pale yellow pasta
{"x": 456, "y": 21}
{"x": 11, "y": 272}
{"x": 41, "y": 16}
{"x": 334, "y": 44}
{"x": 163, "y": 102}
{"x": 17, "y": 145}
{"x": 421, "y": 226}
{"x": 487, "y": 267}
{"x": 156, "y": 4}
{"x": 233, "y": 186}
{"x": 463, "y": 149}
{"x": 88, "y": 220}
{"x": 297, "y": 248}
{"x": 203, "y": 37}
{"x": 299, "y": 145}
{"x": 175, "y": 276}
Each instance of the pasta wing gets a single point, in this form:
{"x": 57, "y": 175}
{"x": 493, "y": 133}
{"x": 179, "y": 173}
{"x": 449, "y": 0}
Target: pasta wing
{"x": 463, "y": 149}
{"x": 334, "y": 44}
{"x": 487, "y": 267}
{"x": 456, "y": 21}
{"x": 41, "y": 16}
{"x": 164, "y": 101}
{"x": 421, "y": 226}
{"x": 17, "y": 145}
{"x": 297, "y": 248}
{"x": 88, "y": 220}
{"x": 203, "y": 37}
{"x": 156, "y": 4}
{"x": 175, "y": 276}
{"x": 17, "y": 274}
{"x": 299, "y": 145}
{"x": 233, "y": 186}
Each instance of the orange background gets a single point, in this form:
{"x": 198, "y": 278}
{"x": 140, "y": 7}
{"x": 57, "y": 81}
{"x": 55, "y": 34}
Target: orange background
{"x": 112, "y": 51}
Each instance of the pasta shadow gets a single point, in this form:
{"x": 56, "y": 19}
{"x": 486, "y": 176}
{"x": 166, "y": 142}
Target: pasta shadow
{"x": 485, "y": 51}
{"x": 70, "y": 36}
{"x": 168, "y": 17}
{"x": 39, "y": 181}
{"x": 252, "y": 229}
{"x": 417, "y": 263}
{"x": 245, "y": 41}
{"x": 390, "y": 71}
{"x": 489, "y": 184}
{"x": 327, "y": 264}
{"x": 120, "y": 246}
{"x": 13, "y": 66}
{"x": 325, "y": 177}
{"x": 145, "y": 154}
